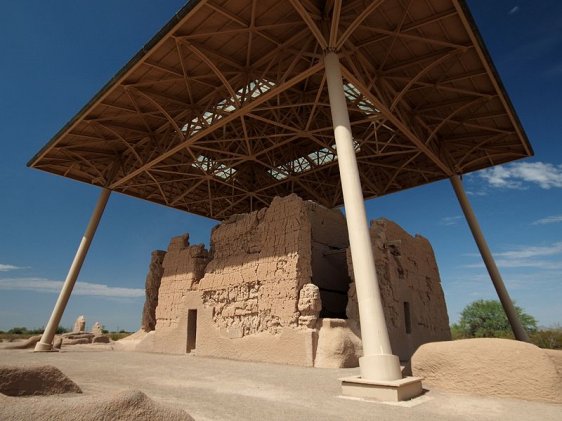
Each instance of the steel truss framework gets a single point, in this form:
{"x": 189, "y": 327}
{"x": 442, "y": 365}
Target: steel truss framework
{"x": 228, "y": 107}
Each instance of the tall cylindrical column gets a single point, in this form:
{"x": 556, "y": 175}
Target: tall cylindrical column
{"x": 516, "y": 326}
{"x": 46, "y": 342}
{"x": 377, "y": 362}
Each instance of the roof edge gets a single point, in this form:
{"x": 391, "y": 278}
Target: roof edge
{"x": 179, "y": 15}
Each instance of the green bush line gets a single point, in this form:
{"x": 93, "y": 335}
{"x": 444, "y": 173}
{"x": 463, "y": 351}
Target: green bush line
{"x": 486, "y": 319}
{"x": 548, "y": 338}
{"x": 25, "y": 333}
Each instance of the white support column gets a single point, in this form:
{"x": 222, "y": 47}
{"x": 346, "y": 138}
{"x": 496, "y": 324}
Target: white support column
{"x": 46, "y": 342}
{"x": 378, "y": 363}
{"x": 516, "y": 326}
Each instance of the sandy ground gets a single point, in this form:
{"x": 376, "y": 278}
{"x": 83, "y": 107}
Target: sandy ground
{"x": 214, "y": 389}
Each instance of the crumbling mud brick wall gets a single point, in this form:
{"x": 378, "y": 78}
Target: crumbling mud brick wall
{"x": 251, "y": 294}
{"x": 152, "y": 287}
{"x": 259, "y": 263}
{"x": 329, "y": 268}
{"x": 274, "y": 286}
{"x": 183, "y": 267}
{"x": 410, "y": 286}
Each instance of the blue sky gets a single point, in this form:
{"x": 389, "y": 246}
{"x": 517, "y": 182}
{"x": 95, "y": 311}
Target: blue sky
{"x": 57, "y": 55}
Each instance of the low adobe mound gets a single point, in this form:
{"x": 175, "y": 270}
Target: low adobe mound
{"x": 338, "y": 345}
{"x": 38, "y": 380}
{"x": 28, "y": 343}
{"x": 491, "y": 367}
{"x": 131, "y": 405}
{"x": 556, "y": 357}
{"x": 32, "y": 341}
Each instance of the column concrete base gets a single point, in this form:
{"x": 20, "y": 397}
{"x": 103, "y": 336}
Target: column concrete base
{"x": 380, "y": 367}
{"x": 388, "y": 391}
{"x": 42, "y": 347}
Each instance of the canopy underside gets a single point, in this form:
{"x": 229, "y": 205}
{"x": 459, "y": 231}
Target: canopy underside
{"x": 228, "y": 107}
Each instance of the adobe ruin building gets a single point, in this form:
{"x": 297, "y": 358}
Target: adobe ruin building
{"x": 211, "y": 119}
{"x": 276, "y": 286}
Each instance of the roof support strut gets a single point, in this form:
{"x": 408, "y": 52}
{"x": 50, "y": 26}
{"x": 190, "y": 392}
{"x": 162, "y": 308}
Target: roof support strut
{"x": 516, "y": 326}
{"x": 377, "y": 363}
{"x": 243, "y": 110}
{"x": 46, "y": 342}
{"x": 400, "y": 125}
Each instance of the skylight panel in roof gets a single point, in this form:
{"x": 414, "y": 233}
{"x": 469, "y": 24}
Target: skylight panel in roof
{"x": 322, "y": 156}
{"x": 354, "y": 96}
{"x": 209, "y": 166}
{"x": 277, "y": 174}
{"x": 302, "y": 164}
{"x": 251, "y": 91}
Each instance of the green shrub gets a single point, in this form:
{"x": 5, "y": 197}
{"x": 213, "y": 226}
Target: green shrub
{"x": 24, "y": 333}
{"x": 487, "y": 319}
{"x": 115, "y": 336}
{"x": 456, "y": 332}
{"x": 18, "y": 330}
{"x": 550, "y": 338}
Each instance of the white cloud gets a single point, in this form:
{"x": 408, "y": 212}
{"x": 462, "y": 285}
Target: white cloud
{"x": 548, "y": 220}
{"x": 519, "y": 175}
{"x": 522, "y": 263}
{"x": 530, "y": 263}
{"x": 450, "y": 220}
{"x": 7, "y": 268}
{"x": 476, "y": 192}
{"x": 532, "y": 251}
{"x": 513, "y": 10}
{"x": 81, "y": 288}
{"x": 527, "y": 257}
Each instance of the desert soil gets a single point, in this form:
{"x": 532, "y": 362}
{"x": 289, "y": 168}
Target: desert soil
{"x": 216, "y": 389}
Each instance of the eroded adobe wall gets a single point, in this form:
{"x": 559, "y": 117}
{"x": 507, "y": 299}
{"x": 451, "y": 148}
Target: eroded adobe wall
{"x": 151, "y": 288}
{"x": 407, "y": 273}
{"x": 329, "y": 269}
{"x": 273, "y": 278}
{"x": 247, "y": 290}
{"x": 259, "y": 263}
{"x": 183, "y": 267}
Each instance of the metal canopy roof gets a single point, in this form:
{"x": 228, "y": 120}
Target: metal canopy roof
{"x": 227, "y": 106}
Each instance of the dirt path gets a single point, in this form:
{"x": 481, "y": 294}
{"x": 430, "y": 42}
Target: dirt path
{"x": 213, "y": 389}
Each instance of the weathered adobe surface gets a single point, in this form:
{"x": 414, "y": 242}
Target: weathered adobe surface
{"x": 35, "y": 380}
{"x": 273, "y": 273}
{"x": 260, "y": 261}
{"x": 82, "y": 338}
{"x": 245, "y": 290}
{"x": 556, "y": 357}
{"x": 28, "y": 343}
{"x": 407, "y": 273}
{"x": 79, "y": 324}
{"x": 490, "y": 367}
{"x": 129, "y": 405}
{"x": 328, "y": 260}
{"x": 253, "y": 274}
{"x": 183, "y": 267}
{"x": 152, "y": 287}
